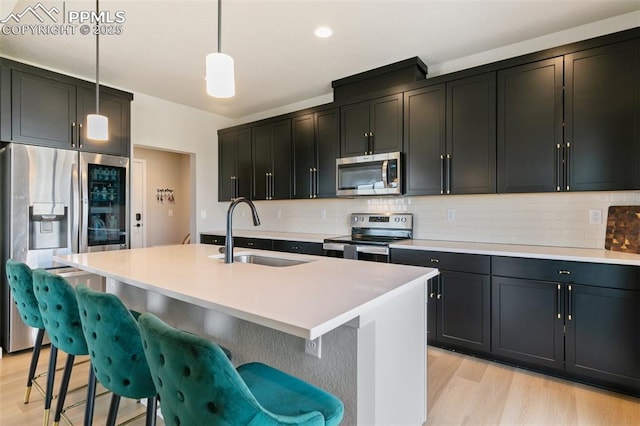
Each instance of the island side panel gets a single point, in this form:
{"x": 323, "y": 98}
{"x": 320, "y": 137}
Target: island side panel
{"x": 392, "y": 360}
{"x": 335, "y": 372}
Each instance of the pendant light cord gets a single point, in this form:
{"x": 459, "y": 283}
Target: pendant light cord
{"x": 97, "y": 59}
{"x": 219, "y": 26}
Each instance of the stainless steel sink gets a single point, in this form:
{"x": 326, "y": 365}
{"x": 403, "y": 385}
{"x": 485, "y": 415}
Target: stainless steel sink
{"x": 267, "y": 260}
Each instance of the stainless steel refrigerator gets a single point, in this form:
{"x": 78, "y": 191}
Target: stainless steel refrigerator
{"x": 57, "y": 202}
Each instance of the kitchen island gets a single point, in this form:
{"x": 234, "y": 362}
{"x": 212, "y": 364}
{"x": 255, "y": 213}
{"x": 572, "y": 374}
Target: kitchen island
{"x": 366, "y": 320}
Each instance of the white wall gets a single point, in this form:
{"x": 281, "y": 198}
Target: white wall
{"x": 156, "y": 123}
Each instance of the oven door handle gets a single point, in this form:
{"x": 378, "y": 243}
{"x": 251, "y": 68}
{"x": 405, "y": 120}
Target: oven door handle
{"x": 385, "y": 167}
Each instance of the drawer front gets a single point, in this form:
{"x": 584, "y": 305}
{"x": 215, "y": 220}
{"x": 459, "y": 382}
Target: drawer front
{"x": 471, "y": 263}
{"x": 298, "y": 247}
{"x": 256, "y": 243}
{"x": 598, "y": 274}
{"x": 212, "y": 239}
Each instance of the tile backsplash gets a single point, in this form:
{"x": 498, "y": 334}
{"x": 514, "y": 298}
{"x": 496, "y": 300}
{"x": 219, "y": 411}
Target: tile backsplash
{"x": 549, "y": 219}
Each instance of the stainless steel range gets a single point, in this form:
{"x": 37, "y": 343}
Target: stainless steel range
{"x": 371, "y": 234}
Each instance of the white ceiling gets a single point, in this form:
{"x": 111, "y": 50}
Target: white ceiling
{"x": 278, "y": 60}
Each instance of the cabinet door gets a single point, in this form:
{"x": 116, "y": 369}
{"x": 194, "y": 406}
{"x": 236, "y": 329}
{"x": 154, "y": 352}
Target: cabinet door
{"x": 603, "y": 334}
{"x": 602, "y": 117}
{"x": 527, "y": 321}
{"x": 530, "y": 127}
{"x": 304, "y": 161}
{"x": 261, "y": 148}
{"x": 217, "y": 240}
{"x": 386, "y": 124}
{"x": 43, "y": 111}
{"x": 227, "y": 166}
{"x": 464, "y": 310}
{"x": 301, "y": 247}
{"x": 355, "y": 129}
{"x": 424, "y": 140}
{"x": 471, "y": 135}
{"x": 281, "y": 155}
{"x": 244, "y": 163}
{"x": 327, "y": 127}
{"x": 117, "y": 110}
{"x": 256, "y": 243}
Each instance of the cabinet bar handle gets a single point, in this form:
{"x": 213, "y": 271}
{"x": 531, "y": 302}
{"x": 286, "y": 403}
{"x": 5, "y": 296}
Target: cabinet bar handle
{"x": 570, "y": 316}
{"x": 431, "y": 285}
{"x": 79, "y": 135}
{"x": 434, "y": 260}
{"x": 559, "y": 301}
{"x": 439, "y": 296}
{"x": 366, "y": 143}
{"x": 73, "y": 134}
{"x": 564, "y": 272}
{"x": 566, "y": 166}
{"x": 266, "y": 186}
{"x": 558, "y": 168}
{"x": 441, "y": 174}
{"x": 448, "y": 173}
{"x": 315, "y": 182}
{"x": 310, "y": 182}
{"x": 371, "y": 142}
{"x": 233, "y": 188}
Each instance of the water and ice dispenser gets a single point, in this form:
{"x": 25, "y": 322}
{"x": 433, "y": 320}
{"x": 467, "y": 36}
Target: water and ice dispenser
{"x": 48, "y": 225}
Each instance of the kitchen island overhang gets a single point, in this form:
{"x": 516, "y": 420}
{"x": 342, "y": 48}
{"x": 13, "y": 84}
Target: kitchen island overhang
{"x": 371, "y": 316}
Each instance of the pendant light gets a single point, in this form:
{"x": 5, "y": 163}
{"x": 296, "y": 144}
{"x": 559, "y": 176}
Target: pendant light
{"x": 97, "y": 125}
{"x": 220, "y": 79}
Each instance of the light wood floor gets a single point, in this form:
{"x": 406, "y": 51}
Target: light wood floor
{"x": 462, "y": 390}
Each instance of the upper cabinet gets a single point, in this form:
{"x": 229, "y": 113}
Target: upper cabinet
{"x": 589, "y": 142}
{"x": 50, "y": 110}
{"x": 602, "y": 118}
{"x": 371, "y": 127}
{"x": 530, "y": 127}
{"x": 271, "y": 149}
{"x": 234, "y": 171}
{"x": 470, "y": 156}
{"x": 424, "y": 140}
{"x": 316, "y": 139}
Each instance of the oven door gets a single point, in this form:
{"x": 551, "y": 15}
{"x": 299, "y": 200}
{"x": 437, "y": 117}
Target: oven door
{"x": 369, "y": 175}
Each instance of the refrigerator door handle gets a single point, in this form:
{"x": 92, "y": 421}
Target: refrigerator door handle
{"x": 75, "y": 209}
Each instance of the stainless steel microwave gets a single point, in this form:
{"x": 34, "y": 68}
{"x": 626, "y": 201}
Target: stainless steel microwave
{"x": 378, "y": 174}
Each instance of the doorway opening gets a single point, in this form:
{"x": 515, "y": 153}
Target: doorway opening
{"x": 162, "y": 198}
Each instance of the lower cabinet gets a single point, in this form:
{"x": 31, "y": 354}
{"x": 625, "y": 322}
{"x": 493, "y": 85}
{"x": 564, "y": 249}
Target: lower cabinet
{"x": 302, "y": 247}
{"x": 582, "y": 319}
{"x": 459, "y": 304}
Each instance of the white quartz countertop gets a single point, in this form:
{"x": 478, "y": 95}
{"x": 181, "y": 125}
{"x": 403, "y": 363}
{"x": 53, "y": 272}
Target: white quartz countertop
{"x": 514, "y": 250}
{"x": 274, "y": 235}
{"x": 306, "y": 300}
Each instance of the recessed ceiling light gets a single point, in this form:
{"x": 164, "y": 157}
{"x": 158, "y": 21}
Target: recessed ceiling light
{"x": 323, "y": 32}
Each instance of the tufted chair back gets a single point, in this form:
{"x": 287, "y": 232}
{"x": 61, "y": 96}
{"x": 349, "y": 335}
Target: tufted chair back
{"x": 115, "y": 345}
{"x": 198, "y": 385}
{"x": 21, "y": 284}
{"x": 59, "y": 309}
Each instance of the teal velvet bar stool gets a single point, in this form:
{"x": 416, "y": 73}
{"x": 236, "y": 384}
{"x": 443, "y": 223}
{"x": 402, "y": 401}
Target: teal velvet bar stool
{"x": 21, "y": 285}
{"x": 198, "y": 385}
{"x": 115, "y": 347}
{"x": 60, "y": 316}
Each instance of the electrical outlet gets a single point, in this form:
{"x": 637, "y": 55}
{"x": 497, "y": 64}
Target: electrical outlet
{"x": 313, "y": 347}
{"x": 595, "y": 217}
{"x": 451, "y": 214}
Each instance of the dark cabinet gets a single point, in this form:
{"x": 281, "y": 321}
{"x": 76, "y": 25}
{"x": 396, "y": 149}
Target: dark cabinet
{"x": 602, "y": 118}
{"x": 530, "y": 127}
{"x": 469, "y": 162}
{"x": 459, "y": 303}
{"x": 372, "y": 127}
{"x": 217, "y": 240}
{"x": 271, "y": 148}
{"x": 316, "y": 142}
{"x": 50, "y": 111}
{"x": 582, "y": 318}
{"x": 424, "y": 140}
{"x": 234, "y": 170}
{"x": 302, "y": 247}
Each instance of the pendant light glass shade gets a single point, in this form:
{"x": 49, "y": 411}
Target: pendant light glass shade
{"x": 220, "y": 79}
{"x": 97, "y": 127}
